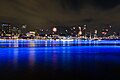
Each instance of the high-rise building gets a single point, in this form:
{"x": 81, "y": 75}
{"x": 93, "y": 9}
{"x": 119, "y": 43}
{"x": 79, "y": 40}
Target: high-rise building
{"x": 6, "y": 29}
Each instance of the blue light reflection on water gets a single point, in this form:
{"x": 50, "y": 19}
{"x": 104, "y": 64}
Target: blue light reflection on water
{"x": 47, "y": 43}
{"x": 63, "y": 55}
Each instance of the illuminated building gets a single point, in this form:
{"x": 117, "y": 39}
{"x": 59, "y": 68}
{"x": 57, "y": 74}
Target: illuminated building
{"x": 95, "y": 34}
{"x": 54, "y": 29}
{"x": 31, "y": 33}
{"x": 80, "y": 31}
{"x": 6, "y": 30}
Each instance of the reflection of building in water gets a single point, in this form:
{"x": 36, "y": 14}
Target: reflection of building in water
{"x": 46, "y": 44}
{"x": 10, "y": 44}
{"x": 63, "y": 43}
{"x": 16, "y": 44}
{"x": 54, "y": 59}
{"x": 15, "y": 57}
{"x": 32, "y": 44}
{"x": 32, "y": 57}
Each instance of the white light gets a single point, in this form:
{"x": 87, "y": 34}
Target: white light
{"x": 96, "y": 31}
{"x": 42, "y": 30}
{"x": 45, "y": 34}
{"x": 84, "y": 28}
{"x": 79, "y": 28}
{"x": 54, "y": 29}
{"x": 107, "y": 30}
{"x": 85, "y": 25}
{"x": 80, "y": 33}
{"x": 73, "y": 27}
{"x": 24, "y": 26}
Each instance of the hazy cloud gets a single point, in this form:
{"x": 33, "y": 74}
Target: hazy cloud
{"x": 58, "y": 12}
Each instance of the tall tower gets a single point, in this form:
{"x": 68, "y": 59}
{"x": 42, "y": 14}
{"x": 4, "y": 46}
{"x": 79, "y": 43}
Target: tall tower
{"x": 95, "y": 34}
{"x": 80, "y": 31}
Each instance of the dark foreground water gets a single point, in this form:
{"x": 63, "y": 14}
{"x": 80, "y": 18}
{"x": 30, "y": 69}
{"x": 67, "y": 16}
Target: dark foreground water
{"x": 75, "y": 60}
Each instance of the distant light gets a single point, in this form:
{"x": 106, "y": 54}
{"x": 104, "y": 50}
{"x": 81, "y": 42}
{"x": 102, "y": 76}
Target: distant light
{"x": 107, "y": 30}
{"x": 5, "y": 25}
{"x": 46, "y": 35}
{"x": 84, "y": 28}
{"x": 73, "y": 27}
{"x": 42, "y": 30}
{"x": 80, "y": 33}
{"x": 104, "y": 33}
{"x": 79, "y": 28}
{"x": 85, "y": 25}
{"x": 24, "y": 26}
{"x": 54, "y": 29}
{"x": 96, "y": 31}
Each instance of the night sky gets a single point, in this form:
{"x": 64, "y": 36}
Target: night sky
{"x": 60, "y": 12}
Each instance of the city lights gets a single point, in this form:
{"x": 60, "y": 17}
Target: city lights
{"x": 78, "y": 32}
{"x": 54, "y": 29}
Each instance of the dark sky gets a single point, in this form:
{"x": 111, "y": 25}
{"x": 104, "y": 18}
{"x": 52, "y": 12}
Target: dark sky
{"x": 60, "y": 12}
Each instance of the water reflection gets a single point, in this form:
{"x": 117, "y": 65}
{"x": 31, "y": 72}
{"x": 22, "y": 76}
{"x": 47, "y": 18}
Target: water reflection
{"x": 15, "y": 54}
{"x": 48, "y": 43}
{"x": 80, "y": 59}
{"x": 32, "y": 57}
{"x": 31, "y": 44}
{"x": 59, "y": 56}
{"x": 36, "y": 57}
{"x": 54, "y": 59}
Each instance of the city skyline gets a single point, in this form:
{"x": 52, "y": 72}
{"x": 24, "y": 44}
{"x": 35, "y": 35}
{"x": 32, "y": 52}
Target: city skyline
{"x": 12, "y": 31}
{"x": 59, "y": 39}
